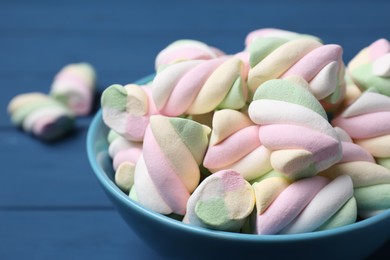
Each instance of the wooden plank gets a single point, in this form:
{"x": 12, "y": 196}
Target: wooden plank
{"x": 35, "y": 173}
{"x": 59, "y": 234}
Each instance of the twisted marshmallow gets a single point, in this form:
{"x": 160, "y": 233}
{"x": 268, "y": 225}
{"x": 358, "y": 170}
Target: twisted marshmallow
{"x": 234, "y": 144}
{"x": 127, "y": 109}
{"x": 222, "y": 201}
{"x": 367, "y": 122}
{"x": 352, "y": 92}
{"x": 275, "y": 33}
{"x": 200, "y": 86}
{"x": 370, "y": 68}
{"x": 74, "y": 85}
{"x": 124, "y": 154}
{"x": 185, "y": 50}
{"x": 371, "y": 181}
{"x": 294, "y": 126}
{"x": 40, "y": 115}
{"x": 168, "y": 170}
{"x": 320, "y": 65}
{"x": 309, "y": 204}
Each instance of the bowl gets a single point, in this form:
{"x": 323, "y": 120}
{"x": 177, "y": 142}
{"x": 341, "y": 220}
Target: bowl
{"x": 174, "y": 239}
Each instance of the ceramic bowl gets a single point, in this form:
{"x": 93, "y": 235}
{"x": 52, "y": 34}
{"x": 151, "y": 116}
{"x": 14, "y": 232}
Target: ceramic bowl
{"x": 173, "y": 239}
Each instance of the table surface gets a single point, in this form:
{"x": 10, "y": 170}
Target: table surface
{"x": 51, "y": 205}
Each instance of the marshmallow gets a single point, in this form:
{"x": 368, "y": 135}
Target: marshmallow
{"x": 74, "y": 85}
{"x": 267, "y": 188}
{"x": 371, "y": 181}
{"x": 320, "y": 65}
{"x": 125, "y": 154}
{"x": 127, "y": 110}
{"x": 287, "y": 206}
{"x": 333, "y": 206}
{"x": 276, "y": 33}
{"x": 168, "y": 169}
{"x": 370, "y": 68}
{"x": 200, "y": 86}
{"x": 182, "y": 50}
{"x": 222, "y": 201}
{"x": 367, "y": 122}
{"x": 294, "y": 126}
{"x": 234, "y": 144}
{"x": 40, "y": 115}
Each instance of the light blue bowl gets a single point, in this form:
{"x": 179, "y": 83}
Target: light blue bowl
{"x": 172, "y": 238}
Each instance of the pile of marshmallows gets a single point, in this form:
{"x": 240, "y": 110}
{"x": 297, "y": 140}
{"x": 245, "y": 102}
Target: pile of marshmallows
{"x": 51, "y": 116}
{"x": 245, "y": 143}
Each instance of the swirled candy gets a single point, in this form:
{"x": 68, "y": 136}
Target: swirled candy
{"x": 74, "y": 85}
{"x": 127, "y": 109}
{"x": 182, "y": 50}
{"x": 371, "y": 181}
{"x": 320, "y": 65}
{"x": 234, "y": 144}
{"x": 275, "y": 33}
{"x": 168, "y": 169}
{"x": 124, "y": 154}
{"x": 295, "y": 128}
{"x": 370, "y": 68}
{"x": 223, "y": 201}
{"x": 309, "y": 204}
{"x": 200, "y": 86}
{"x": 367, "y": 122}
{"x": 41, "y": 115}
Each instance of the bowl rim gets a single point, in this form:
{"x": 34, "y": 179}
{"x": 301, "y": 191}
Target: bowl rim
{"x": 111, "y": 187}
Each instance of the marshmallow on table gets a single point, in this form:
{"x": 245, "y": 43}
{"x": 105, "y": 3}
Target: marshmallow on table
{"x": 182, "y": 50}
{"x": 125, "y": 154}
{"x": 235, "y": 144}
{"x": 309, "y": 204}
{"x": 370, "y": 68}
{"x": 127, "y": 109}
{"x": 168, "y": 169}
{"x": 74, "y": 85}
{"x": 371, "y": 181}
{"x": 222, "y": 201}
{"x": 200, "y": 86}
{"x": 295, "y": 128}
{"x": 40, "y": 115}
{"x": 367, "y": 122}
{"x": 320, "y": 65}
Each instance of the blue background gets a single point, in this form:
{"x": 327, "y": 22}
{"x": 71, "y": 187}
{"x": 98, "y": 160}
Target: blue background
{"x": 51, "y": 206}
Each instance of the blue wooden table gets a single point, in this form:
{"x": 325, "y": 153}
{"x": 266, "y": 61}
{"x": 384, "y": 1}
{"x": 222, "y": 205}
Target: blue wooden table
{"x": 51, "y": 205}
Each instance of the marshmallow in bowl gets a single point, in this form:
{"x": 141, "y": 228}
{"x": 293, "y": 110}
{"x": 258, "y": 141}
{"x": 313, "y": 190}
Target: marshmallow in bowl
{"x": 370, "y": 68}
{"x": 235, "y": 144}
{"x": 124, "y": 154}
{"x": 367, "y": 122}
{"x": 320, "y": 65}
{"x": 295, "y": 127}
{"x": 168, "y": 169}
{"x": 276, "y": 33}
{"x": 200, "y": 86}
{"x": 222, "y": 201}
{"x": 371, "y": 181}
{"x": 41, "y": 115}
{"x": 74, "y": 85}
{"x": 281, "y": 140}
{"x": 185, "y": 49}
{"x": 307, "y": 205}
{"x": 126, "y": 109}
